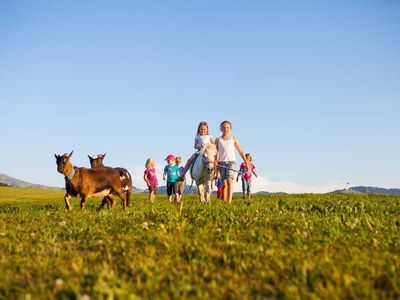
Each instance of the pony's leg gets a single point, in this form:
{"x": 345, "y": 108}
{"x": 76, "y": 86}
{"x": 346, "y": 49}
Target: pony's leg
{"x": 198, "y": 191}
{"x": 208, "y": 191}
{"x": 200, "y": 188}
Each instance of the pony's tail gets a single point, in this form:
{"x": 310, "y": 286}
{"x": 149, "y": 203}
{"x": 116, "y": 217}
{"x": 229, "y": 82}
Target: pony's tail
{"x": 191, "y": 185}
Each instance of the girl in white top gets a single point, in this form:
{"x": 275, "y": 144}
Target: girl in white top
{"x": 226, "y": 157}
{"x": 202, "y": 138}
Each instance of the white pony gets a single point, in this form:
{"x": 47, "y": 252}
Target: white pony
{"x": 202, "y": 171}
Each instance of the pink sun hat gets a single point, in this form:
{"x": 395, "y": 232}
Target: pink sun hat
{"x": 170, "y": 157}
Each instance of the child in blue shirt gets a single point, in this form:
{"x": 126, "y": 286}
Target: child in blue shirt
{"x": 171, "y": 172}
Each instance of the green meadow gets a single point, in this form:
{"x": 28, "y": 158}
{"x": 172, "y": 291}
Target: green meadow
{"x": 273, "y": 247}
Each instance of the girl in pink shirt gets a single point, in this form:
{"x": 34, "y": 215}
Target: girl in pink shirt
{"x": 150, "y": 177}
{"x": 246, "y": 172}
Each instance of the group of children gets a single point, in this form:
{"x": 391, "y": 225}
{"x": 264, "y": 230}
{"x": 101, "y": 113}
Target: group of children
{"x": 172, "y": 173}
{"x": 226, "y": 158}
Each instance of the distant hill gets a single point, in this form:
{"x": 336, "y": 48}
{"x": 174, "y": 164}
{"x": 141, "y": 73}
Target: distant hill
{"x": 368, "y": 190}
{"x": 193, "y": 190}
{"x": 6, "y": 180}
{"x": 268, "y": 193}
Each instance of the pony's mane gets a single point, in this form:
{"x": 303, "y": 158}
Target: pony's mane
{"x": 206, "y": 147}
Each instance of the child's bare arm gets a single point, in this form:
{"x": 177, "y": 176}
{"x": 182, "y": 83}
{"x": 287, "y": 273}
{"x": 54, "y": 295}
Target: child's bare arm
{"x": 145, "y": 179}
{"x": 239, "y": 149}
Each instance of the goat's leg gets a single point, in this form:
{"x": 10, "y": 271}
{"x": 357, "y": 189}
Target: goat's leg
{"x": 122, "y": 196}
{"x": 111, "y": 202}
{"x": 66, "y": 199}
{"x": 128, "y": 197}
{"x": 104, "y": 202}
{"x": 83, "y": 201}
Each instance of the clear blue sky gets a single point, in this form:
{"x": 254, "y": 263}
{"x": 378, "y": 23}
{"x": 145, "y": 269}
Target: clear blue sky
{"x": 312, "y": 87}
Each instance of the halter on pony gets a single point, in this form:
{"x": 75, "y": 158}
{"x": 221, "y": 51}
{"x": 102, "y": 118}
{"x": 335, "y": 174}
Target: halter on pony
{"x": 207, "y": 161}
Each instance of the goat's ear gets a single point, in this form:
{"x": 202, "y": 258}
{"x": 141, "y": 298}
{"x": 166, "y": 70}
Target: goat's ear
{"x": 104, "y": 154}
{"x": 91, "y": 158}
{"x": 56, "y": 156}
{"x": 69, "y": 155}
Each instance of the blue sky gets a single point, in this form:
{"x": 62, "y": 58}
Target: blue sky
{"x": 312, "y": 87}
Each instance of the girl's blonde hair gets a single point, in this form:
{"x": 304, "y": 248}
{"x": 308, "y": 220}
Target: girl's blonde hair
{"x": 202, "y": 123}
{"x": 150, "y": 163}
{"x": 178, "y": 159}
{"x": 248, "y": 157}
{"x": 223, "y": 122}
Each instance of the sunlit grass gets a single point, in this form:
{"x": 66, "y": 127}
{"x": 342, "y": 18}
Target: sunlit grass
{"x": 276, "y": 246}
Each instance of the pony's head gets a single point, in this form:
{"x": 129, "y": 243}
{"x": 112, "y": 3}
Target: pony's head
{"x": 209, "y": 155}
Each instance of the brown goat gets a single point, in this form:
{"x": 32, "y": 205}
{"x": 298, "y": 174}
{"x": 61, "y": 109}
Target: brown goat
{"x": 85, "y": 183}
{"x": 97, "y": 162}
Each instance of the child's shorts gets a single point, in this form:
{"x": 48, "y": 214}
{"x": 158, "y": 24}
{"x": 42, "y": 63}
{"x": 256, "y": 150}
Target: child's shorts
{"x": 172, "y": 188}
{"x": 226, "y": 169}
{"x": 246, "y": 186}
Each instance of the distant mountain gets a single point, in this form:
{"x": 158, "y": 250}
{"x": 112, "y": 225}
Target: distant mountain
{"x": 368, "y": 190}
{"x": 6, "y": 180}
{"x": 163, "y": 190}
{"x": 136, "y": 190}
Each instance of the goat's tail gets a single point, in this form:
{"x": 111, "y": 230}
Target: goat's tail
{"x": 128, "y": 186}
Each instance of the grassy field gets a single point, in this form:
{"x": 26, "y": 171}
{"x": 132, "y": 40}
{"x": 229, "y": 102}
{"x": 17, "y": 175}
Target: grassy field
{"x": 276, "y": 246}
